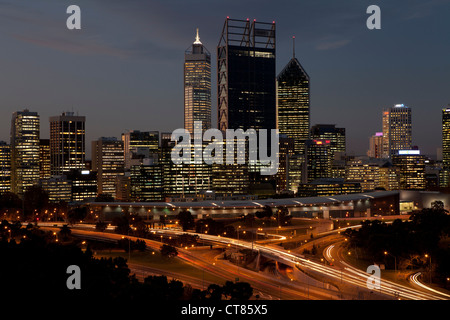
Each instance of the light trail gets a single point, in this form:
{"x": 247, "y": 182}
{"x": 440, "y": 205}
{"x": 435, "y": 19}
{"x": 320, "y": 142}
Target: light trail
{"x": 350, "y": 274}
{"x": 387, "y": 287}
{"x": 415, "y": 279}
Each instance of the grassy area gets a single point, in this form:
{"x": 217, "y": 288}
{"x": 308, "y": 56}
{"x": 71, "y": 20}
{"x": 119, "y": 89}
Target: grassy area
{"x": 157, "y": 261}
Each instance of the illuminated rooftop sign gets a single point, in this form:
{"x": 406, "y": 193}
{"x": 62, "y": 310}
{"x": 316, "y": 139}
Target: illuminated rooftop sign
{"x": 408, "y": 152}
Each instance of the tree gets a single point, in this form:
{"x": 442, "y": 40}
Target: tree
{"x": 214, "y": 292}
{"x": 283, "y": 216}
{"x": 238, "y": 290}
{"x": 77, "y": 214}
{"x": 265, "y": 213}
{"x": 168, "y": 251}
{"x": 186, "y": 220}
{"x": 65, "y": 232}
{"x": 9, "y": 200}
{"x": 35, "y": 199}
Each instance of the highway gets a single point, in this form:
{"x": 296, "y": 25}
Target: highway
{"x": 332, "y": 254}
{"x": 265, "y": 285}
{"x": 341, "y": 272}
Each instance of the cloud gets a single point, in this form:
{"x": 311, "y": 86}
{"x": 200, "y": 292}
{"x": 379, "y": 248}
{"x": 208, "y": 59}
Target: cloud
{"x": 332, "y": 44}
{"x": 73, "y": 45}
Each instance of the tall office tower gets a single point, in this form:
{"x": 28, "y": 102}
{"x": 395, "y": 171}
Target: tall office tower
{"x": 5, "y": 167}
{"x": 335, "y": 136}
{"x": 44, "y": 159}
{"x": 168, "y": 168}
{"x": 67, "y": 143}
{"x": 24, "y": 150}
{"x": 293, "y": 100}
{"x": 146, "y": 181}
{"x": 108, "y": 160}
{"x": 320, "y": 157}
{"x": 376, "y": 146}
{"x": 396, "y": 130}
{"x": 445, "y": 172}
{"x": 136, "y": 141}
{"x": 246, "y": 75}
{"x": 411, "y": 166}
{"x": 197, "y": 86}
{"x": 286, "y": 151}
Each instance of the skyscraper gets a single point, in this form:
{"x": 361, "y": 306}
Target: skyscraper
{"x": 396, "y": 130}
{"x": 446, "y": 137}
{"x": 376, "y": 146}
{"x": 25, "y": 126}
{"x": 445, "y": 173}
{"x": 67, "y": 143}
{"x": 334, "y": 136}
{"x": 136, "y": 141}
{"x": 108, "y": 161}
{"x": 5, "y": 167}
{"x": 320, "y": 159}
{"x": 197, "y": 86}
{"x": 411, "y": 166}
{"x": 293, "y": 101}
{"x": 246, "y": 75}
{"x": 44, "y": 159}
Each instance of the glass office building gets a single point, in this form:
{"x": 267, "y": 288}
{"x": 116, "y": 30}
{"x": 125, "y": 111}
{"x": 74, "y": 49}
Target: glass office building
{"x": 246, "y": 75}
{"x": 197, "y": 86}
{"x": 67, "y": 143}
{"x": 25, "y": 126}
{"x": 293, "y": 103}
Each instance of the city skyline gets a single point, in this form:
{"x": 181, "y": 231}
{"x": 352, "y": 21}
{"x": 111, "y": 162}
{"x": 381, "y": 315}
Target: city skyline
{"x": 73, "y": 62}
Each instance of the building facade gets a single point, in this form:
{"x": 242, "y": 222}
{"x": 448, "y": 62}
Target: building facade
{"x": 135, "y": 141}
{"x": 67, "y": 143}
{"x": 335, "y": 136}
{"x": 197, "y": 86}
{"x": 44, "y": 159}
{"x": 376, "y": 146}
{"x": 293, "y": 104}
{"x": 411, "y": 165}
{"x": 108, "y": 160}
{"x": 25, "y": 129}
{"x": 445, "y": 173}
{"x": 397, "y": 130}
{"x": 246, "y": 75}
{"x": 5, "y": 167}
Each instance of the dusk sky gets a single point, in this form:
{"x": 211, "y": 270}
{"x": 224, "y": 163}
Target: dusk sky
{"x": 124, "y": 69}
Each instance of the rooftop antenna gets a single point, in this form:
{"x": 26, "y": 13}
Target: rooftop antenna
{"x": 293, "y": 46}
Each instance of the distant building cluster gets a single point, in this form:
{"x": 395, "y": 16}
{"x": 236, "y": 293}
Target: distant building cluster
{"x": 137, "y": 167}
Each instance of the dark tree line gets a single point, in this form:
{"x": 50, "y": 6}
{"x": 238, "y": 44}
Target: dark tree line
{"x": 34, "y": 268}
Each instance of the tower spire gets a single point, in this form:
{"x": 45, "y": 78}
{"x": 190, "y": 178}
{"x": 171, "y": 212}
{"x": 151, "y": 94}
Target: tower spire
{"x": 293, "y": 46}
{"x": 197, "y": 38}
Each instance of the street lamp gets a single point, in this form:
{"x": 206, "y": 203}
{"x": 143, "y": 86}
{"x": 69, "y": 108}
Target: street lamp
{"x": 429, "y": 256}
{"x": 395, "y": 262}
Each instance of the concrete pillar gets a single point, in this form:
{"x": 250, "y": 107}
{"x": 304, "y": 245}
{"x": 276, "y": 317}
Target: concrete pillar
{"x": 326, "y": 214}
